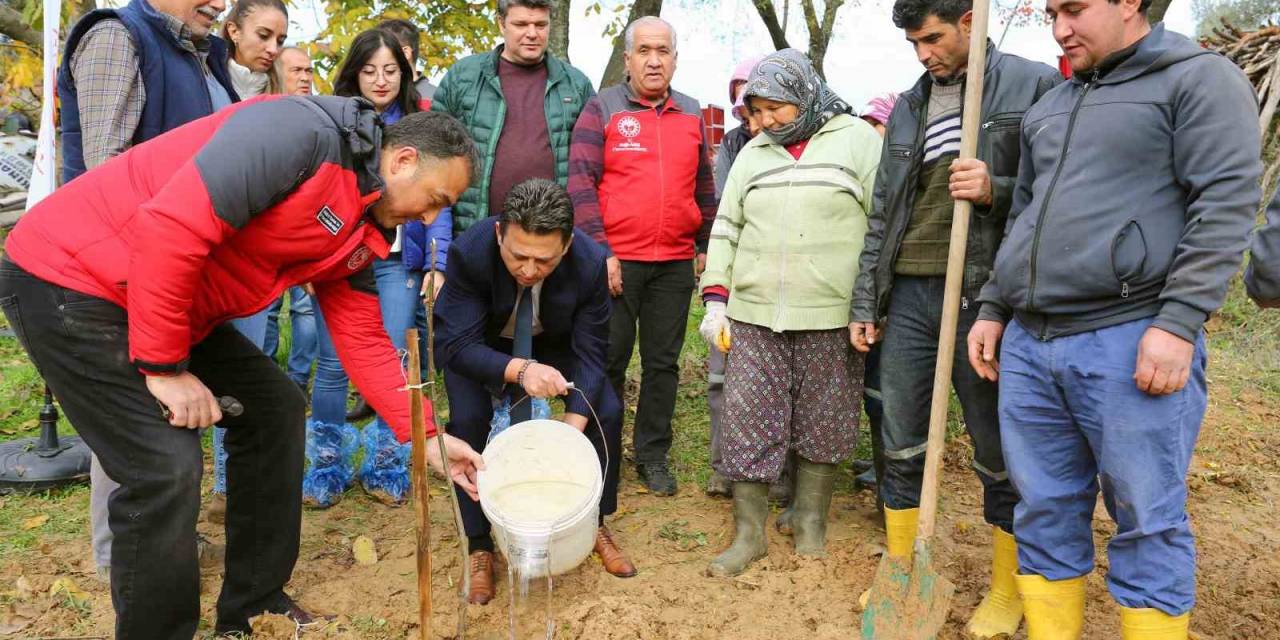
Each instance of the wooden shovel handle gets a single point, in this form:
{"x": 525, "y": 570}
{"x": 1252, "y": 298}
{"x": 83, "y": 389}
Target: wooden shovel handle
{"x": 972, "y": 116}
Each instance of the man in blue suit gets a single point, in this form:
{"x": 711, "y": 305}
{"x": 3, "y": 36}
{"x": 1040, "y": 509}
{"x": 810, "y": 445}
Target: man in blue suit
{"x": 525, "y": 311}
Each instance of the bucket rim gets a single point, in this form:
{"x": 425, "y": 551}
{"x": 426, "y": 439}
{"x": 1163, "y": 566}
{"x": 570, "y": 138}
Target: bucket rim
{"x": 580, "y": 510}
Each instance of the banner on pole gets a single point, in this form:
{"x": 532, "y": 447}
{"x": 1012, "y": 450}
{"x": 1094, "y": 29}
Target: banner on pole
{"x": 43, "y": 177}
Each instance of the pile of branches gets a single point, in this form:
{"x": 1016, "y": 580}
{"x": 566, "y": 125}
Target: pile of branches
{"x": 1258, "y": 53}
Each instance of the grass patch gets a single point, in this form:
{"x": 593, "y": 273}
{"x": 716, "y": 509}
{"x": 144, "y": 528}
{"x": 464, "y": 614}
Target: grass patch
{"x": 30, "y": 521}
{"x": 1244, "y": 344}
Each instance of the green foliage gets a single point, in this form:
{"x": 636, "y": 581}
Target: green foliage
{"x": 21, "y": 65}
{"x": 619, "y": 12}
{"x": 451, "y": 29}
{"x": 1242, "y": 14}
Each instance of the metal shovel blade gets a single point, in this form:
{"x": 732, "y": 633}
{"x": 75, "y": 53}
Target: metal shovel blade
{"x": 909, "y": 599}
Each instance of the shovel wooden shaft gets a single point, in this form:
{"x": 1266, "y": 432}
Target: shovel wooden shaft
{"x": 909, "y": 597}
{"x": 421, "y": 495}
{"x": 971, "y": 119}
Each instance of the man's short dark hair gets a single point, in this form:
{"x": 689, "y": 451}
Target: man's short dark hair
{"x": 404, "y": 31}
{"x": 505, "y": 5}
{"x": 539, "y": 206}
{"x": 434, "y": 134}
{"x": 911, "y": 14}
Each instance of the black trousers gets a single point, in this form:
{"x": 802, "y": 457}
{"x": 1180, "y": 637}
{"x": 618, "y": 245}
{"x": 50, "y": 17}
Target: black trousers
{"x": 80, "y": 344}
{"x": 655, "y": 297}
{"x": 471, "y": 408}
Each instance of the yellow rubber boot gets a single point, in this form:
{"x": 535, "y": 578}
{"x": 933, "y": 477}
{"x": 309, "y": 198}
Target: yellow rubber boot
{"x": 900, "y": 537}
{"x": 1001, "y": 610}
{"x": 1153, "y": 624}
{"x": 1054, "y": 609}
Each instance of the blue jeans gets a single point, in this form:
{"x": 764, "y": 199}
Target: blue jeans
{"x": 1073, "y": 421}
{"x": 302, "y": 345}
{"x": 907, "y": 360}
{"x": 398, "y": 294}
{"x": 254, "y": 328}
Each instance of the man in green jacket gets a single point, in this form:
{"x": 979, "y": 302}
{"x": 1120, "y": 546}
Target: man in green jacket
{"x": 520, "y": 104}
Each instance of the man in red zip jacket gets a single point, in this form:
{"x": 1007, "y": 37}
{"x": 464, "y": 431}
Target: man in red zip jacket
{"x": 642, "y": 186}
{"x": 120, "y": 286}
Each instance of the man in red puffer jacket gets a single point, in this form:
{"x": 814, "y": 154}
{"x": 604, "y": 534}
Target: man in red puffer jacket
{"x": 120, "y": 285}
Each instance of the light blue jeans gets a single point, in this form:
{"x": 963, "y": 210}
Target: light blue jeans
{"x": 385, "y": 466}
{"x": 302, "y": 345}
{"x": 398, "y": 295}
{"x": 1074, "y": 422}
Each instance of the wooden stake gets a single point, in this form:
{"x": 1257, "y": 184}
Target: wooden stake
{"x": 421, "y": 491}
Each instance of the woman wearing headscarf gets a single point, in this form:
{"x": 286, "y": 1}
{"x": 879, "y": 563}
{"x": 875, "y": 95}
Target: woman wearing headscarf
{"x": 730, "y": 146}
{"x": 779, "y": 281}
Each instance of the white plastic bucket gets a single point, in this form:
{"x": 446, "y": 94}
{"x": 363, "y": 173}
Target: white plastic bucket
{"x": 541, "y": 491}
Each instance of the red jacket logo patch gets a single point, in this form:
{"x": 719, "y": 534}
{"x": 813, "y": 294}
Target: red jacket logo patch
{"x": 629, "y": 127}
{"x": 358, "y": 258}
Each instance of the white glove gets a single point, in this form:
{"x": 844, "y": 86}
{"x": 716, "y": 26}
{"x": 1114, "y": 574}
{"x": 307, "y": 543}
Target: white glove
{"x": 715, "y": 326}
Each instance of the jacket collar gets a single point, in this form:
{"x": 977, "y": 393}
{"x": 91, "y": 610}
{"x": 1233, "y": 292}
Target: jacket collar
{"x": 1153, "y": 52}
{"x": 555, "y": 68}
{"x": 841, "y": 121}
{"x": 174, "y": 28}
{"x": 668, "y": 104}
{"x": 920, "y": 92}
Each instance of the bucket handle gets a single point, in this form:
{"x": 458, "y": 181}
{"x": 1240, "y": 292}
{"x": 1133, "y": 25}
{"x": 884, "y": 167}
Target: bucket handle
{"x": 604, "y": 442}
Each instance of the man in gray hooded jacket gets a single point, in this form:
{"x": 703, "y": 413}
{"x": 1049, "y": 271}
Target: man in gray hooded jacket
{"x": 1262, "y": 278}
{"x": 1137, "y": 188}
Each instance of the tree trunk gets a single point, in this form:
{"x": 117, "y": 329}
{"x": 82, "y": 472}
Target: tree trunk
{"x": 770, "y": 17}
{"x": 558, "y": 43}
{"x": 616, "y": 71}
{"x": 820, "y": 31}
{"x": 13, "y": 25}
{"x": 1155, "y": 13}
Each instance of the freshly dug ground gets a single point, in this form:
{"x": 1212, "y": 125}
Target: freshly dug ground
{"x": 1235, "y": 484}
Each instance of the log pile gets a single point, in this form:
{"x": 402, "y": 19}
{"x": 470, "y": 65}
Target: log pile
{"x": 1258, "y": 54}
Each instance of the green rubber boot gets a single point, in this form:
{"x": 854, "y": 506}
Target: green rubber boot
{"x": 750, "y": 508}
{"x": 815, "y": 483}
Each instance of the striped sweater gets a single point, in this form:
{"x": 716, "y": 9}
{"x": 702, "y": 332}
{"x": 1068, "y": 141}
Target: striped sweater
{"x": 789, "y": 231}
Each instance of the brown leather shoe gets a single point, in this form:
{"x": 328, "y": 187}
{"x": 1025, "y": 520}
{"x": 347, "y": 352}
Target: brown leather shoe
{"x": 613, "y": 559}
{"x": 481, "y": 577}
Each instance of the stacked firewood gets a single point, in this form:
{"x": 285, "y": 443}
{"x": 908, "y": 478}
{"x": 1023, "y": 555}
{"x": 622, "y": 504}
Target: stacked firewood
{"x": 1258, "y": 53}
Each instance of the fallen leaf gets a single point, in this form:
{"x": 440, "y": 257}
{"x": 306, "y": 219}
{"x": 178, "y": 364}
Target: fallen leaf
{"x": 68, "y": 587}
{"x": 35, "y": 521}
{"x": 23, "y": 587}
{"x": 364, "y": 551}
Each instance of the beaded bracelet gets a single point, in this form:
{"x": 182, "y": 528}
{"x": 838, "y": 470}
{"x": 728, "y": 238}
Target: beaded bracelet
{"x": 523, "y": 368}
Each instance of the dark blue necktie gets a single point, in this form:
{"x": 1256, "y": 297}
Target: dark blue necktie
{"x": 522, "y": 347}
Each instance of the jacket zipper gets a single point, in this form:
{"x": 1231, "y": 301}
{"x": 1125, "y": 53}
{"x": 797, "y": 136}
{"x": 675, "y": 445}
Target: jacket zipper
{"x": 487, "y": 178}
{"x": 913, "y": 174}
{"x": 1044, "y": 206}
{"x": 782, "y": 273}
{"x": 662, "y": 179}
{"x": 551, "y": 84}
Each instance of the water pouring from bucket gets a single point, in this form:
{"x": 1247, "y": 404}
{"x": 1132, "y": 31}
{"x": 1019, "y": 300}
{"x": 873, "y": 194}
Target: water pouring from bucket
{"x": 541, "y": 492}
